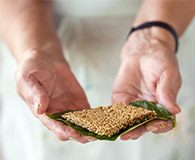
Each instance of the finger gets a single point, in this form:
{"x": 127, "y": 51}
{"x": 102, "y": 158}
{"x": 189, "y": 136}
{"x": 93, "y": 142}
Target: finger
{"x": 169, "y": 103}
{"x": 63, "y": 132}
{"x": 90, "y": 139}
{"x": 33, "y": 93}
{"x": 74, "y": 135}
{"x": 82, "y": 101}
{"x": 159, "y": 126}
{"x": 134, "y": 134}
{"x": 167, "y": 89}
{"x": 83, "y": 139}
{"x": 58, "y": 128}
{"x": 122, "y": 97}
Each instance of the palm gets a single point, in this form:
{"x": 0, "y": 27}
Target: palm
{"x": 148, "y": 77}
{"x": 151, "y": 77}
{"x": 50, "y": 87}
{"x": 130, "y": 84}
{"x": 65, "y": 91}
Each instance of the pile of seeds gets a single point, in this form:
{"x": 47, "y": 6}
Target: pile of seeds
{"x": 109, "y": 120}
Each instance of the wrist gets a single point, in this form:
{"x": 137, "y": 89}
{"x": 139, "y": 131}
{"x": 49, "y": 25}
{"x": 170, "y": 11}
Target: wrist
{"x": 141, "y": 42}
{"x": 49, "y": 49}
{"x": 164, "y": 37}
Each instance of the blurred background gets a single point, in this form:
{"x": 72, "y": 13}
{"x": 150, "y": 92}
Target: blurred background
{"x": 23, "y": 137}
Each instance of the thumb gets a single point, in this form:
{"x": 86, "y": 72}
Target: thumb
{"x": 41, "y": 99}
{"x": 167, "y": 90}
{"x": 33, "y": 93}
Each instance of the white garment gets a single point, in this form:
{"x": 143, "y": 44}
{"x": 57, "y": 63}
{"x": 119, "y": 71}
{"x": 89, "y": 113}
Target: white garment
{"x": 92, "y": 45}
{"x": 97, "y": 8}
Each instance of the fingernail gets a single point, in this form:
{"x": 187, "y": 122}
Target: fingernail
{"x": 37, "y": 106}
{"x": 72, "y": 139}
{"x": 91, "y": 139}
{"x": 133, "y": 138}
{"x": 152, "y": 128}
{"x": 177, "y": 110}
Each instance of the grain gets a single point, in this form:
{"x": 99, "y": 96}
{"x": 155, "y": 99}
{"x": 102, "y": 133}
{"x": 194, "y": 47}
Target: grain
{"x": 109, "y": 120}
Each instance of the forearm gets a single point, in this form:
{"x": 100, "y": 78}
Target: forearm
{"x": 178, "y": 14}
{"x": 27, "y": 25}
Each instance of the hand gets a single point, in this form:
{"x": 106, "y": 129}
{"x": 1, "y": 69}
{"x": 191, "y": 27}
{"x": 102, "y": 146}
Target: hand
{"x": 48, "y": 86}
{"x": 148, "y": 71}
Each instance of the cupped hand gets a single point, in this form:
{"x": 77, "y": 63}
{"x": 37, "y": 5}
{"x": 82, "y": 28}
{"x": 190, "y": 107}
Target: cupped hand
{"x": 148, "y": 71}
{"x": 48, "y": 86}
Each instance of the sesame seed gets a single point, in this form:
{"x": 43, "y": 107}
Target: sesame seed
{"x": 109, "y": 120}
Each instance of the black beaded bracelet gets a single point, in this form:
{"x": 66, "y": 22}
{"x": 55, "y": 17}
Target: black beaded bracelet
{"x": 163, "y": 25}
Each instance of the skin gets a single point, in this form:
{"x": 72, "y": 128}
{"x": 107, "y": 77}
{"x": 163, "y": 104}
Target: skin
{"x": 48, "y": 86}
{"x": 148, "y": 71}
{"x": 149, "y": 68}
{"x": 43, "y": 78}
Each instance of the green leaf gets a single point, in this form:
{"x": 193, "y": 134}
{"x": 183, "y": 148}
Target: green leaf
{"x": 161, "y": 112}
{"x": 81, "y": 130}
